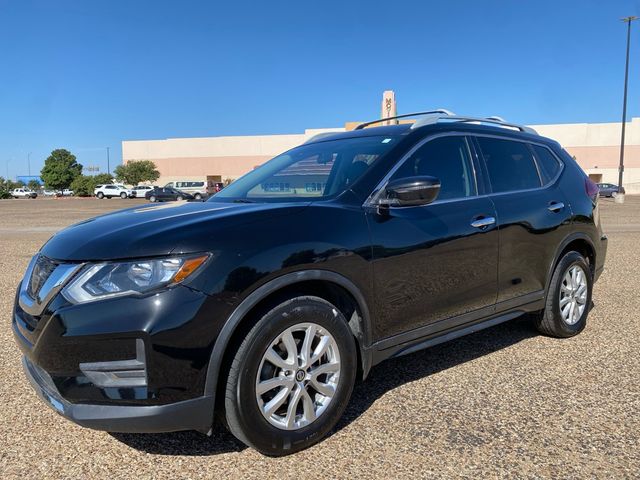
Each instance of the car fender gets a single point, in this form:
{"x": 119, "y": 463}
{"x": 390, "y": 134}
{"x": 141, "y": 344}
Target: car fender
{"x": 226, "y": 333}
{"x": 568, "y": 239}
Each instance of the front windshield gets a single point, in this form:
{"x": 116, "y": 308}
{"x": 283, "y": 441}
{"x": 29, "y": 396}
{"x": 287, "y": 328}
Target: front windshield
{"x": 308, "y": 172}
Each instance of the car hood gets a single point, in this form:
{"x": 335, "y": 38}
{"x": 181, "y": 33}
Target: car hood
{"x": 154, "y": 230}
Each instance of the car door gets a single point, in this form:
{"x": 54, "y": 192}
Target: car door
{"x": 434, "y": 263}
{"x": 533, "y": 214}
{"x": 170, "y": 194}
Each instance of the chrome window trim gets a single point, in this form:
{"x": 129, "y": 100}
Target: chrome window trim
{"x": 372, "y": 201}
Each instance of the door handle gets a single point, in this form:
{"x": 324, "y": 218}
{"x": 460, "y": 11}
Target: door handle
{"x": 555, "y": 206}
{"x": 483, "y": 222}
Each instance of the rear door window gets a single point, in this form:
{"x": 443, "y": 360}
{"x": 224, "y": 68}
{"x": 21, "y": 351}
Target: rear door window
{"x": 510, "y": 165}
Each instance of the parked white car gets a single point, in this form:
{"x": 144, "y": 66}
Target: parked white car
{"x": 110, "y": 191}
{"x": 49, "y": 193}
{"x": 23, "y": 193}
{"x": 66, "y": 192}
{"x": 141, "y": 190}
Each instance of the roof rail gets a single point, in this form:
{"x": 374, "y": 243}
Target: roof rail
{"x": 319, "y": 136}
{"x": 496, "y": 121}
{"x": 439, "y": 111}
{"x": 434, "y": 116}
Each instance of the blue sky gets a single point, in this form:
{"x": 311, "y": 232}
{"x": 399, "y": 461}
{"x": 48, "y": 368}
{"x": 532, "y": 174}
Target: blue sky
{"x": 85, "y": 75}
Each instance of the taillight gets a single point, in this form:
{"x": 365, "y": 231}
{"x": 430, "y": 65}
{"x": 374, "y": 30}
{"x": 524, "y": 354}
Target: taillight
{"x": 591, "y": 188}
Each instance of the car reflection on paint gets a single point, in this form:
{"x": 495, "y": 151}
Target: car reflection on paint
{"x": 609, "y": 190}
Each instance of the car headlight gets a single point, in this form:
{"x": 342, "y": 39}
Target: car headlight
{"x": 110, "y": 279}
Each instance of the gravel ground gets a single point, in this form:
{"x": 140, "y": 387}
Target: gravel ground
{"x": 505, "y": 402}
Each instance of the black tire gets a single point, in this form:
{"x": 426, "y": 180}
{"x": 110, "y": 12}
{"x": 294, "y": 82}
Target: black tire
{"x": 550, "y": 321}
{"x": 197, "y": 196}
{"x": 179, "y": 198}
{"x": 153, "y": 199}
{"x": 123, "y": 195}
{"x": 100, "y": 195}
{"x": 242, "y": 413}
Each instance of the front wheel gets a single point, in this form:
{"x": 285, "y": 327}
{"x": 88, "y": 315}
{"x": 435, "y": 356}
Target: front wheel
{"x": 568, "y": 299}
{"x": 153, "y": 199}
{"x": 197, "y": 196}
{"x": 123, "y": 195}
{"x": 100, "y": 195}
{"x": 292, "y": 377}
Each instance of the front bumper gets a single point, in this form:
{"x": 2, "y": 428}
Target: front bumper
{"x": 194, "y": 414}
{"x": 127, "y": 364}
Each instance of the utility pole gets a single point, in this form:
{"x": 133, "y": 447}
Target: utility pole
{"x": 29, "y": 163}
{"x": 108, "y": 166}
{"x": 628, "y": 20}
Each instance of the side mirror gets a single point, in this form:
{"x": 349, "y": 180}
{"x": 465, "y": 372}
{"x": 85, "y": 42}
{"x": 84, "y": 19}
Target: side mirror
{"x": 411, "y": 191}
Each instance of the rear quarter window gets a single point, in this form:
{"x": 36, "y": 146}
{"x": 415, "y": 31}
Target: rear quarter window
{"x": 548, "y": 164}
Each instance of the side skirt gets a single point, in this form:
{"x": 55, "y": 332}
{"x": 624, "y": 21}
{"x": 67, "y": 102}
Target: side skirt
{"x": 389, "y": 348}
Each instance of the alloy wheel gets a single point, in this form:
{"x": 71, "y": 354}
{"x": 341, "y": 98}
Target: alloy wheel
{"x": 298, "y": 376}
{"x": 573, "y": 294}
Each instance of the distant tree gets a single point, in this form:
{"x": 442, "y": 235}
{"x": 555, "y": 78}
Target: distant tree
{"x": 137, "y": 171}
{"x": 83, "y": 186}
{"x": 18, "y": 184}
{"x": 8, "y": 185}
{"x": 60, "y": 169}
{"x": 4, "y": 191}
{"x": 102, "y": 178}
{"x": 33, "y": 184}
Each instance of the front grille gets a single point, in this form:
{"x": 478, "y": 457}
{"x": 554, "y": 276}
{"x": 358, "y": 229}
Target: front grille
{"x": 42, "y": 270}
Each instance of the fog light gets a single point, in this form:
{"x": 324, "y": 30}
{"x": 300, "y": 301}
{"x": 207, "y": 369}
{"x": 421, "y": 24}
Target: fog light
{"x": 119, "y": 373}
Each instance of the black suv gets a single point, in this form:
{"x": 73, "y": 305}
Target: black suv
{"x": 266, "y": 303}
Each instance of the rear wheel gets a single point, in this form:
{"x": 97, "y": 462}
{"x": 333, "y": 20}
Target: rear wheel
{"x": 568, "y": 299}
{"x": 123, "y": 195}
{"x": 179, "y": 198}
{"x": 153, "y": 199}
{"x": 291, "y": 377}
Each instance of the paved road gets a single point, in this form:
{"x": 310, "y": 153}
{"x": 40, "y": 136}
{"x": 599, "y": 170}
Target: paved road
{"x": 505, "y": 402}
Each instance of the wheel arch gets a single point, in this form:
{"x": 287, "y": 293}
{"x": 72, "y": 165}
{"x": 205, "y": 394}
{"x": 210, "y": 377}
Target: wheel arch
{"x": 324, "y": 283}
{"x": 579, "y": 242}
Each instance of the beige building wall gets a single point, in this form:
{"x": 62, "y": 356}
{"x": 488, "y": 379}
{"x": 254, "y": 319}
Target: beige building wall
{"x": 596, "y": 147}
{"x": 226, "y": 157}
